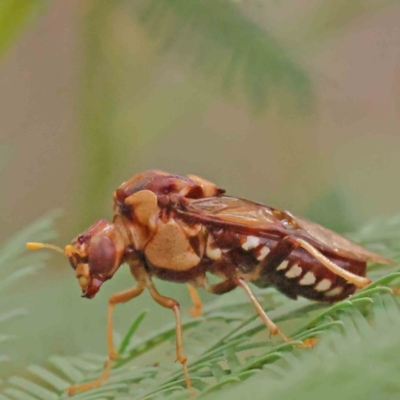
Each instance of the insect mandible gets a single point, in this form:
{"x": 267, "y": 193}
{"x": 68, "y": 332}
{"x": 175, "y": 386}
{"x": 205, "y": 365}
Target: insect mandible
{"x": 180, "y": 228}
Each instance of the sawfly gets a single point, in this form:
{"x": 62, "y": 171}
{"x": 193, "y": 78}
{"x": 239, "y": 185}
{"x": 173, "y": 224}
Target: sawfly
{"x": 180, "y": 229}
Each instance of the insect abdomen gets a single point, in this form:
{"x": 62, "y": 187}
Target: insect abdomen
{"x": 302, "y": 275}
{"x": 298, "y": 274}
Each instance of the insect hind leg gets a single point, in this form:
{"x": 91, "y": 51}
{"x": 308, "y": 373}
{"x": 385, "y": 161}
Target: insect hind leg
{"x": 222, "y": 287}
{"x": 271, "y": 326}
{"x": 260, "y": 311}
{"x": 356, "y": 280}
{"x": 284, "y": 247}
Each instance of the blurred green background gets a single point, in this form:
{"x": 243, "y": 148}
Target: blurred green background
{"x": 293, "y": 104}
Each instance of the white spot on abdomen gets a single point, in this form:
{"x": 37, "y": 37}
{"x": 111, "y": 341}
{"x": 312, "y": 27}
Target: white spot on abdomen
{"x": 308, "y": 279}
{"x": 294, "y": 271}
{"x": 251, "y": 242}
{"x": 323, "y": 285}
{"x": 334, "y": 292}
{"x": 212, "y": 251}
{"x": 263, "y": 253}
{"x": 283, "y": 265}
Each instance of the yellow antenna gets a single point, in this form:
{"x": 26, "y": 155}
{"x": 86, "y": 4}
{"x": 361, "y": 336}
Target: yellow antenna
{"x": 37, "y": 246}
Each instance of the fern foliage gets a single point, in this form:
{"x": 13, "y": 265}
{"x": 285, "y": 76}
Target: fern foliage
{"x": 216, "y": 37}
{"x": 231, "y": 355}
{"x": 16, "y": 265}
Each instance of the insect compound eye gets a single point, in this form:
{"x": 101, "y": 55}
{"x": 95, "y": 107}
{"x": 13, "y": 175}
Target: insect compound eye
{"x": 102, "y": 255}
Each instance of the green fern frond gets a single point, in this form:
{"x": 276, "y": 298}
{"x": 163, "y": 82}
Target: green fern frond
{"x": 15, "y": 265}
{"x": 355, "y": 360}
{"x": 215, "y": 37}
{"x": 229, "y": 347}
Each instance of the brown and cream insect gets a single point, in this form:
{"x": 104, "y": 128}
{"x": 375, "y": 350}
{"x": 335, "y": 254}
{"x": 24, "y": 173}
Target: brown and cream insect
{"x": 181, "y": 228}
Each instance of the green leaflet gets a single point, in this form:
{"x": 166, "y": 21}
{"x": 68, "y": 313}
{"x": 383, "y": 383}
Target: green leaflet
{"x": 215, "y": 37}
{"x": 11, "y": 270}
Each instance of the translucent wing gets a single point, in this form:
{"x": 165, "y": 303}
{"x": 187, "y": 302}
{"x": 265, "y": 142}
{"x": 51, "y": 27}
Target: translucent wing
{"x": 259, "y": 220}
{"x": 237, "y": 211}
{"x": 339, "y": 244}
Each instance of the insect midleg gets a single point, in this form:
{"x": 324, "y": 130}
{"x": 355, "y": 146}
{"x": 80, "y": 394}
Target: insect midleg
{"x": 116, "y": 298}
{"x": 356, "y": 280}
{"x": 218, "y": 288}
{"x": 172, "y": 304}
{"x": 197, "y": 309}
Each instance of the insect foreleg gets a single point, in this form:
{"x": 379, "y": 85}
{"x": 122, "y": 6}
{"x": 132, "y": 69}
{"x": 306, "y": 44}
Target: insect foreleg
{"x": 90, "y": 385}
{"x": 356, "y": 280}
{"x": 172, "y": 304}
{"x": 117, "y": 298}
